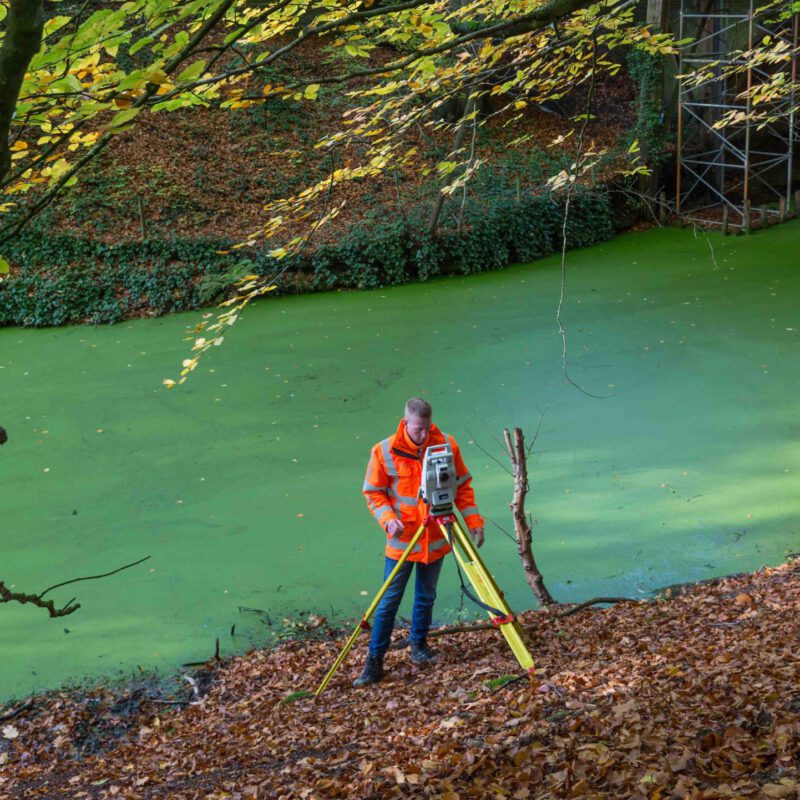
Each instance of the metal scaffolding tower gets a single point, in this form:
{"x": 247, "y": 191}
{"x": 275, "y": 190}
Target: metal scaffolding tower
{"x": 729, "y": 167}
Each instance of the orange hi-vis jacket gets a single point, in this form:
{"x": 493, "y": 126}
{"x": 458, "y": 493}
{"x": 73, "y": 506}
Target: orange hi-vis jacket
{"x": 391, "y": 486}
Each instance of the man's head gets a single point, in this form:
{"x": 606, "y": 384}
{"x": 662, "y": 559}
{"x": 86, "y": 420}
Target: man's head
{"x": 418, "y": 419}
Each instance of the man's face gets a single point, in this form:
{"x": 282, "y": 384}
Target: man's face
{"x": 418, "y": 428}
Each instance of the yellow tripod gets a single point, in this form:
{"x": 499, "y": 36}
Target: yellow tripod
{"x": 487, "y": 590}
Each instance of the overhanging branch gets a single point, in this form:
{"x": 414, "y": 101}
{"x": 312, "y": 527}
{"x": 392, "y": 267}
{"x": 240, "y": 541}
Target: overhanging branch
{"x": 8, "y": 596}
{"x": 103, "y": 142}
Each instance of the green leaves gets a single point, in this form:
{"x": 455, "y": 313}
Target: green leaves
{"x": 122, "y": 118}
{"x": 52, "y": 25}
{"x": 192, "y": 72}
{"x": 303, "y": 694}
{"x": 503, "y": 680}
{"x": 138, "y": 45}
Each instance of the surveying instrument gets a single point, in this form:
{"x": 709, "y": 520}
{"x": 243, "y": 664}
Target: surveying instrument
{"x": 438, "y": 492}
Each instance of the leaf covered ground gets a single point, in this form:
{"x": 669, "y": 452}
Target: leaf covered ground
{"x": 208, "y": 172}
{"x": 695, "y": 696}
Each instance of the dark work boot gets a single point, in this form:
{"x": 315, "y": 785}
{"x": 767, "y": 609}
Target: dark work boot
{"x": 421, "y": 653}
{"x": 373, "y": 672}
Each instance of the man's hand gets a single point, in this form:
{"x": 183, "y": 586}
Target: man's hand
{"x": 394, "y": 527}
{"x": 477, "y": 536}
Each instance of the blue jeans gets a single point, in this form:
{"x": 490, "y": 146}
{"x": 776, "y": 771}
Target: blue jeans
{"x": 424, "y": 595}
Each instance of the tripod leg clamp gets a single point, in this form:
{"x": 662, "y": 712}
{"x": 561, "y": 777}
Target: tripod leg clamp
{"x": 498, "y": 621}
{"x": 445, "y": 519}
{"x": 364, "y": 625}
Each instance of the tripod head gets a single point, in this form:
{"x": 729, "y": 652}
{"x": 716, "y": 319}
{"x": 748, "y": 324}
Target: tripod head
{"x": 438, "y": 486}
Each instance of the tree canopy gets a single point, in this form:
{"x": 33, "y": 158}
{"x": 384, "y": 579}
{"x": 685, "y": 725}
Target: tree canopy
{"x": 69, "y": 82}
{"x": 73, "y": 76}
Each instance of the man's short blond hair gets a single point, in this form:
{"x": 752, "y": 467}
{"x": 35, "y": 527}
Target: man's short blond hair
{"x": 417, "y": 407}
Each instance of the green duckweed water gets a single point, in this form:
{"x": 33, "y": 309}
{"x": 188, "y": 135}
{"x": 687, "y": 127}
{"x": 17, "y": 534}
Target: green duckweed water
{"x": 244, "y": 484}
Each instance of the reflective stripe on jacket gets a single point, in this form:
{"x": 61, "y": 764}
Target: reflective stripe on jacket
{"x": 391, "y": 486}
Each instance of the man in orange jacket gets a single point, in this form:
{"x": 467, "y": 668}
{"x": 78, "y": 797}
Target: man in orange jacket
{"x": 392, "y": 488}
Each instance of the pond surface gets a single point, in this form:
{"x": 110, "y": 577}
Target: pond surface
{"x": 244, "y": 484}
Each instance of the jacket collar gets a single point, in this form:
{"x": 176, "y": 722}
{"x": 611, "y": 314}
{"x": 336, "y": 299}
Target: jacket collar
{"x": 404, "y": 447}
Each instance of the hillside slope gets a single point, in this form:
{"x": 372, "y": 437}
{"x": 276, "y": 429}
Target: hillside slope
{"x": 208, "y": 172}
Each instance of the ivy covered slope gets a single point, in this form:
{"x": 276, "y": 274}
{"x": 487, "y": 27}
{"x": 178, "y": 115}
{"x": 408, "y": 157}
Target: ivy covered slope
{"x": 149, "y": 227}
{"x": 688, "y": 697}
{"x": 66, "y": 279}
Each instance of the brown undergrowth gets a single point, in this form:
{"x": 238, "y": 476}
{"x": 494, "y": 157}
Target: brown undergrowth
{"x": 691, "y": 697}
{"x": 208, "y": 172}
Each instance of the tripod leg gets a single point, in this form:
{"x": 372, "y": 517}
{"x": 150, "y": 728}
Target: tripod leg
{"x": 489, "y": 592}
{"x": 363, "y": 622}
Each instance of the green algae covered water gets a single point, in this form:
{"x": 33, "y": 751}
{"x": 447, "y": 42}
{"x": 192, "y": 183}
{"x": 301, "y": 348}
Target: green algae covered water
{"x": 244, "y": 485}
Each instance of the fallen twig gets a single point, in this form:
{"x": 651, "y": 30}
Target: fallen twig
{"x": 731, "y": 624}
{"x": 483, "y": 626}
{"x": 216, "y": 657}
{"x": 15, "y": 712}
{"x": 488, "y": 626}
{"x": 594, "y": 601}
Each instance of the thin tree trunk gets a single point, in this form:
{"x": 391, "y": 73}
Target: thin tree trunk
{"x": 522, "y": 524}
{"x": 658, "y": 20}
{"x": 24, "y": 26}
{"x": 461, "y": 133}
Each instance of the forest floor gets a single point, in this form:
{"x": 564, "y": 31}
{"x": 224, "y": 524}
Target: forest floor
{"x": 208, "y": 172}
{"x": 695, "y": 694}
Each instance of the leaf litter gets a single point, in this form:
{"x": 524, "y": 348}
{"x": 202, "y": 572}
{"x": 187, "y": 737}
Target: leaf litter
{"x": 693, "y": 695}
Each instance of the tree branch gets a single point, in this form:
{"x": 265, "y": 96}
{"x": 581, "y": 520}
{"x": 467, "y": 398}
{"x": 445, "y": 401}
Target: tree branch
{"x": 103, "y": 142}
{"x": 93, "y": 577}
{"x": 7, "y": 596}
{"x": 527, "y": 23}
{"x": 571, "y": 184}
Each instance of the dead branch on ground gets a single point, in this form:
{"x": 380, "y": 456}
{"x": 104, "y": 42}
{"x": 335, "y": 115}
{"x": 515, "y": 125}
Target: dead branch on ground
{"x": 594, "y": 601}
{"x": 15, "y": 712}
{"x": 566, "y": 612}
